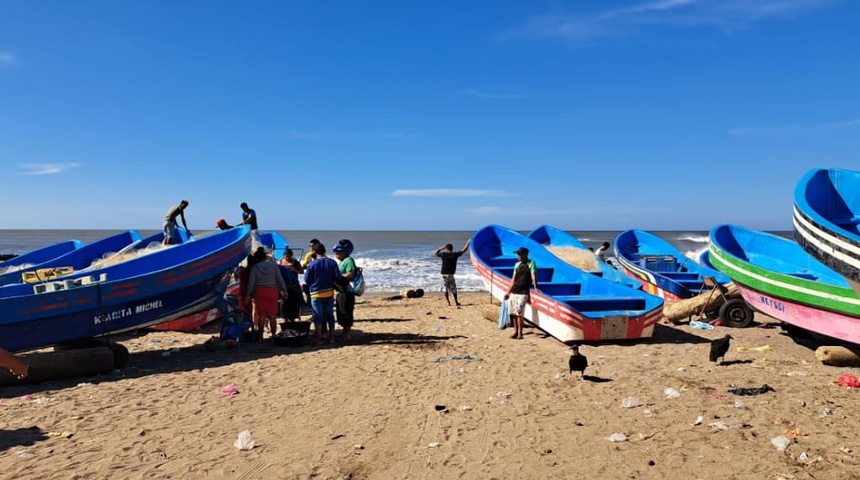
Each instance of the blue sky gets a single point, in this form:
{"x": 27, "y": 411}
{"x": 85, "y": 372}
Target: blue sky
{"x": 418, "y": 115}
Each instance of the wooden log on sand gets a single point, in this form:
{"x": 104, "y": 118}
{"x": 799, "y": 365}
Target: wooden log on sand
{"x": 490, "y": 312}
{"x": 838, "y": 356}
{"x": 407, "y": 293}
{"x": 81, "y": 362}
{"x": 710, "y": 301}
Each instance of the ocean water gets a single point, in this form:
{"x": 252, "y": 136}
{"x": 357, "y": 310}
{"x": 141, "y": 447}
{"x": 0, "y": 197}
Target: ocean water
{"x": 392, "y": 260}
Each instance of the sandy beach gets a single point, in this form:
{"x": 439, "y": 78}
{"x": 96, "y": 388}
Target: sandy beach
{"x": 424, "y": 390}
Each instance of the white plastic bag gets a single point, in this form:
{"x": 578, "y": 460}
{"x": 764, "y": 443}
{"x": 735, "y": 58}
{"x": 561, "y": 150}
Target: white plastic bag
{"x": 504, "y": 316}
{"x": 245, "y": 441}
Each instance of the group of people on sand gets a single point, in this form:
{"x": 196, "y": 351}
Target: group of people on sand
{"x": 269, "y": 289}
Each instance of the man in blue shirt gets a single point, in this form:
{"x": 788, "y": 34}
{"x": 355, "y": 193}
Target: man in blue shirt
{"x": 249, "y": 216}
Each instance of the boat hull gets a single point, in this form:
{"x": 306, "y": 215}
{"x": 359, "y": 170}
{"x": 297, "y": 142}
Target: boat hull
{"x": 570, "y": 304}
{"x": 777, "y": 277}
{"x": 196, "y": 320}
{"x": 155, "y": 288}
{"x": 663, "y": 270}
{"x": 38, "y": 256}
{"x": 551, "y": 237}
{"x": 832, "y": 324}
{"x": 827, "y": 220}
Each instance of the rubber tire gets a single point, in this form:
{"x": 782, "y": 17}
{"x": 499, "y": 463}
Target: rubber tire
{"x": 736, "y": 313}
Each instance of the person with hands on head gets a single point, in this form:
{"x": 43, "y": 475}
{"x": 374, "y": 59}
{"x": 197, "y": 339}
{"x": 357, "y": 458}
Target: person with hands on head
{"x": 517, "y": 295}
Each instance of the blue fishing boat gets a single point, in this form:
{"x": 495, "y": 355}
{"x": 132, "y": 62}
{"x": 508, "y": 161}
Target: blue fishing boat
{"x": 156, "y": 241}
{"x": 9, "y": 270}
{"x": 777, "y": 277}
{"x": 274, "y": 243}
{"x": 145, "y": 290}
{"x": 827, "y": 219}
{"x": 663, "y": 269}
{"x": 570, "y": 304}
{"x": 78, "y": 259}
{"x": 558, "y": 241}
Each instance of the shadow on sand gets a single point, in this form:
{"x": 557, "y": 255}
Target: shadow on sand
{"x": 21, "y": 437}
{"x": 196, "y": 357}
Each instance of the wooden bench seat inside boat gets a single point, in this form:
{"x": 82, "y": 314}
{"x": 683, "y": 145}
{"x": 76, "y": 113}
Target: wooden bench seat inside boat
{"x": 503, "y": 261}
{"x": 543, "y": 274}
{"x": 694, "y": 286}
{"x": 555, "y": 289}
{"x": 659, "y": 263}
{"x": 844, "y": 222}
{"x": 585, "y": 303}
{"x": 682, "y": 276}
{"x": 805, "y": 276}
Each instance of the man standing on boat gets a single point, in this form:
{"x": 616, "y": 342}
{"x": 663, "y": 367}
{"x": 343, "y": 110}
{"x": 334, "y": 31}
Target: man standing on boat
{"x": 170, "y": 221}
{"x": 524, "y": 277}
{"x": 449, "y": 267}
{"x": 249, "y": 216}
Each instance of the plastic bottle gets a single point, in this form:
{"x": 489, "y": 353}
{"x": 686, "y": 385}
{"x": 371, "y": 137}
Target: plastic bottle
{"x": 701, "y": 325}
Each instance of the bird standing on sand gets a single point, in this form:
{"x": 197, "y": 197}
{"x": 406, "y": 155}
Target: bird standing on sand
{"x": 719, "y": 347}
{"x": 577, "y": 362}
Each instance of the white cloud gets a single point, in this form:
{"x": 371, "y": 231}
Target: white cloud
{"x": 767, "y": 130}
{"x": 449, "y": 192}
{"x": 493, "y": 96}
{"x": 7, "y": 58}
{"x": 46, "y": 168}
{"x": 635, "y": 18}
{"x": 343, "y": 137}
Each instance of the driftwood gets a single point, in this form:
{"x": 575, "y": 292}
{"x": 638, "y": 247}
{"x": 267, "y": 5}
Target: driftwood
{"x": 710, "y": 301}
{"x": 490, "y": 312}
{"x": 81, "y": 362}
{"x": 417, "y": 293}
{"x": 838, "y": 356}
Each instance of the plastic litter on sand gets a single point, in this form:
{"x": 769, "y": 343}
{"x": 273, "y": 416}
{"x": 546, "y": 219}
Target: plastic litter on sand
{"x": 245, "y": 441}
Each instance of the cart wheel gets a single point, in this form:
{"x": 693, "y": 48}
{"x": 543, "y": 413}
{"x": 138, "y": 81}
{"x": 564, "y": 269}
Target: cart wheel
{"x": 735, "y": 313}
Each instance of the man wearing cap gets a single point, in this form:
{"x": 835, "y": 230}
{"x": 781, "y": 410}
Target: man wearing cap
{"x": 344, "y": 300}
{"x": 449, "y": 267}
{"x": 309, "y": 257}
{"x": 523, "y": 279}
{"x": 170, "y": 220}
{"x": 222, "y": 224}
{"x": 321, "y": 276}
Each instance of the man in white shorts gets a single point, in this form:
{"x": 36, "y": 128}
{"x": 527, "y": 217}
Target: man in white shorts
{"x": 523, "y": 279}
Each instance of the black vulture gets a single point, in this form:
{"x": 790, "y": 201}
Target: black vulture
{"x": 719, "y": 347}
{"x": 577, "y": 362}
